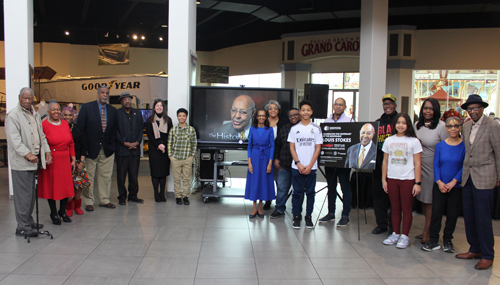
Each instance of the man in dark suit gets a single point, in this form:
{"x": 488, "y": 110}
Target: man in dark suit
{"x": 363, "y": 152}
{"x": 481, "y": 173}
{"x": 129, "y": 138}
{"x": 242, "y": 112}
{"x": 97, "y": 120}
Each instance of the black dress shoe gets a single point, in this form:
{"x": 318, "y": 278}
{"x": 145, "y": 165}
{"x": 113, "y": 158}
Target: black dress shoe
{"x": 137, "y": 200}
{"x": 65, "y": 217}
{"x": 40, "y": 226}
{"x": 55, "y": 219}
{"x": 122, "y": 202}
{"x": 379, "y": 230}
{"x": 186, "y": 200}
{"x": 163, "y": 199}
{"x": 267, "y": 205}
{"x": 178, "y": 201}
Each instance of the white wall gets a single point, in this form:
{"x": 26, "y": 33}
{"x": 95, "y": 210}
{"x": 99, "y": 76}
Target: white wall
{"x": 457, "y": 49}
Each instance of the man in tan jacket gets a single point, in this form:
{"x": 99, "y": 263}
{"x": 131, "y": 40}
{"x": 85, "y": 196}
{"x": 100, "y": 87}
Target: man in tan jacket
{"x": 481, "y": 173}
{"x": 27, "y": 148}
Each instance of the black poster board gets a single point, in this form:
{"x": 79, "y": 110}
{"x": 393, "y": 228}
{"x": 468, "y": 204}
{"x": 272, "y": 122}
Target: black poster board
{"x": 343, "y": 142}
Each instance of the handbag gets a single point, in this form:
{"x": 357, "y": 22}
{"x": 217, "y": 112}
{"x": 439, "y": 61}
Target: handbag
{"x": 81, "y": 180}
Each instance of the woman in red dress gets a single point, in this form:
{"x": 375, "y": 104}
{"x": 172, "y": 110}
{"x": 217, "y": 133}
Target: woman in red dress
{"x": 56, "y": 181}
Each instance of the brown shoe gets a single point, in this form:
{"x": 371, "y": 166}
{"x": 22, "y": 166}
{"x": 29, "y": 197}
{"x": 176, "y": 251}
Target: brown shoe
{"x": 468, "y": 255}
{"x": 89, "y": 208}
{"x": 483, "y": 264}
{"x": 108, "y": 205}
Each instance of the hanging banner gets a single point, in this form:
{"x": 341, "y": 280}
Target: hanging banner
{"x": 349, "y": 145}
{"x": 113, "y": 54}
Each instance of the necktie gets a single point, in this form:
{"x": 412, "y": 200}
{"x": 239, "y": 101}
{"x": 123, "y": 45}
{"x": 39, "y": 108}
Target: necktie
{"x": 103, "y": 119}
{"x": 242, "y": 136}
{"x": 361, "y": 157}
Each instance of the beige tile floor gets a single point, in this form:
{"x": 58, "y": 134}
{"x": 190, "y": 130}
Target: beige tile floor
{"x": 215, "y": 243}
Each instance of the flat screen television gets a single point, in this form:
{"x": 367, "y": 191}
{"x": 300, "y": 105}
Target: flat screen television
{"x": 222, "y": 116}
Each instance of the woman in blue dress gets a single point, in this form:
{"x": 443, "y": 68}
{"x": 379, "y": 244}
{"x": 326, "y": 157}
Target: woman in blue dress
{"x": 260, "y": 176}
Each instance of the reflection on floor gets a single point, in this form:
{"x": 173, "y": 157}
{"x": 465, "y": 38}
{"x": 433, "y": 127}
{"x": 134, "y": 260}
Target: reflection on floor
{"x": 216, "y": 243}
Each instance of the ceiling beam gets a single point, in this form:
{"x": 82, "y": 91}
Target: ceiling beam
{"x": 132, "y": 6}
{"x": 244, "y": 22}
{"x": 84, "y": 12}
{"x": 209, "y": 18}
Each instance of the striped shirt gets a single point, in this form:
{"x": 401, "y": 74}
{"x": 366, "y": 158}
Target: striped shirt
{"x": 182, "y": 142}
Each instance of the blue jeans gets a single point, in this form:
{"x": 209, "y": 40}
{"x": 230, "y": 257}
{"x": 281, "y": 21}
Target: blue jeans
{"x": 301, "y": 182}
{"x": 331, "y": 178}
{"x": 284, "y": 182}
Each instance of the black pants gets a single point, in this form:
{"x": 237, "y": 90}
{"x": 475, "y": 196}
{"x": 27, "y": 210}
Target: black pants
{"x": 332, "y": 173}
{"x": 381, "y": 200}
{"x": 364, "y": 188}
{"x": 444, "y": 203}
{"x": 127, "y": 164}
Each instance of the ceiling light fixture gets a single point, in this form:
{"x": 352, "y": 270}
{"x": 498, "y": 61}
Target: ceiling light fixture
{"x": 164, "y": 26}
{"x": 198, "y": 2}
{"x": 143, "y": 37}
{"x": 161, "y": 38}
{"x": 117, "y": 36}
{"x": 66, "y": 33}
{"x": 106, "y": 35}
{"x": 134, "y": 37}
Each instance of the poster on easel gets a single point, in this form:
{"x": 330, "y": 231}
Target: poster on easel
{"x": 349, "y": 145}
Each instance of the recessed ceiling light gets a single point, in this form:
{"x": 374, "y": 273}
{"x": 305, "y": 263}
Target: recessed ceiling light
{"x": 161, "y": 38}
{"x": 198, "y": 2}
{"x": 143, "y": 37}
{"x": 66, "y": 33}
{"x": 164, "y": 26}
{"x": 134, "y": 37}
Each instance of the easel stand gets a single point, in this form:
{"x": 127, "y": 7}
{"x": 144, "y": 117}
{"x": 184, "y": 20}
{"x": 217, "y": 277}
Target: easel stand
{"x": 326, "y": 196}
{"x": 38, "y": 231}
{"x": 356, "y": 170}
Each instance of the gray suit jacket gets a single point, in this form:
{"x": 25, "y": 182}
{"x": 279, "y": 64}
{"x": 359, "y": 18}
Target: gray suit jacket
{"x": 482, "y": 158}
{"x": 353, "y": 154}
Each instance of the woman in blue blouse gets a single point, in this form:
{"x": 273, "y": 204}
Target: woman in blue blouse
{"x": 260, "y": 176}
{"x": 447, "y": 191}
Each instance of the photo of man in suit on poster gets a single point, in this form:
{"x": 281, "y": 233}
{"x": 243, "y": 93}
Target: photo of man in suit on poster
{"x": 362, "y": 155}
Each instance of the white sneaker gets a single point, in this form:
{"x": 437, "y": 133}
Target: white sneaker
{"x": 392, "y": 239}
{"x": 403, "y": 242}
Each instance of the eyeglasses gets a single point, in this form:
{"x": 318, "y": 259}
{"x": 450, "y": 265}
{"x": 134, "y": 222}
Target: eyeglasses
{"x": 474, "y": 109}
{"x": 241, "y": 112}
{"x": 292, "y": 116}
{"x": 452, "y": 126}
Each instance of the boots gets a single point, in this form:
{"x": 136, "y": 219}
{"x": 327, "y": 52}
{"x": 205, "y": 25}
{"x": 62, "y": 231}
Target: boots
{"x": 69, "y": 208}
{"x": 162, "y": 196}
{"x": 77, "y": 205}
{"x": 157, "y": 196}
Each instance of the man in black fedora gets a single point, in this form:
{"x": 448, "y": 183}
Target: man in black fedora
{"x": 128, "y": 142}
{"x": 481, "y": 174}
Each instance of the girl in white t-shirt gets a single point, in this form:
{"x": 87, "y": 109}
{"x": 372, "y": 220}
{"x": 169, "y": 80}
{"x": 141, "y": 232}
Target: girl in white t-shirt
{"x": 401, "y": 174}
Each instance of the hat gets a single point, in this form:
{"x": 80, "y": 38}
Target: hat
{"x": 125, "y": 95}
{"x": 390, "y": 97}
{"x": 474, "y": 99}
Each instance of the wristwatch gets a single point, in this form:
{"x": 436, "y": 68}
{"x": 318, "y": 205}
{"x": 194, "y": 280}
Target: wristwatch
{"x": 418, "y": 183}
{"x": 297, "y": 162}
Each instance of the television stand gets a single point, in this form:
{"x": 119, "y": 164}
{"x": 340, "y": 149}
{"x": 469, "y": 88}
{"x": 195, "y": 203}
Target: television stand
{"x": 218, "y": 192}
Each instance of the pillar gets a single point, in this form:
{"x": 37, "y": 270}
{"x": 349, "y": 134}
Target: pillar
{"x": 19, "y": 57}
{"x": 373, "y": 58}
{"x": 181, "y": 42}
{"x": 295, "y": 75}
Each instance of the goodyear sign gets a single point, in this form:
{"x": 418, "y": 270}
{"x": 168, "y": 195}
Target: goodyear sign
{"x": 113, "y": 85}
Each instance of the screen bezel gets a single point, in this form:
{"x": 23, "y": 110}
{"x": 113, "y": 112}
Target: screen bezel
{"x": 234, "y": 145}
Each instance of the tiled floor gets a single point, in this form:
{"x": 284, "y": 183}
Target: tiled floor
{"x": 215, "y": 243}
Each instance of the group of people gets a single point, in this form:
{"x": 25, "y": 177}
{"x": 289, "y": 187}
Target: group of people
{"x": 441, "y": 163}
{"x": 58, "y": 150}
{"x": 293, "y": 149}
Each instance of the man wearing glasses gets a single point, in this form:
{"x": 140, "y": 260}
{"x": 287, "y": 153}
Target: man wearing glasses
{"x": 332, "y": 173}
{"x": 480, "y": 176}
{"x": 283, "y": 164}
{"x": 242, "y": 111}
